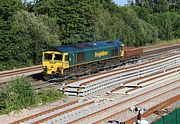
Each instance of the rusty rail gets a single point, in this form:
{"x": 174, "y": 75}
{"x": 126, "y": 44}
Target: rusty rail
{"x": 44, "y": 112}
{"x": 120, "y": 112}
{"x": 142, "y": 82}
{"x": 155, "y": 108}
{"x": 63, "y": 112}
{"x": 111, "y": 107}
{"x": 20, "y": 71}
{"x": 85, "y": 83}
{"x": 152, "y": 47}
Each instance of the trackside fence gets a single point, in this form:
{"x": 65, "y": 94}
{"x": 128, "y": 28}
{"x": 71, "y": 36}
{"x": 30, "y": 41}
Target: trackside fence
{"x": 171, "y": 118}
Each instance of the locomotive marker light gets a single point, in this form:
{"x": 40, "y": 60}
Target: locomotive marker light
{"x": 140, "y": 111}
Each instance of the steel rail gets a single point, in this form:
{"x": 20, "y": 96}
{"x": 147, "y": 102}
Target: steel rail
{"x": 122, "y": 111}
{"x": 152, "y": 47}
{"x": 113, "y": 106}
{"x": 152, "y": 78}
{"x": 63, "y": 112}
{"x": 44, "y": 112}
{"x": 155, "y": 108}
{"x": 85, "y": 83}
{"x": 136, "y": 79}
{"x": 142, "y": 82}
{"x": 71, "y": 89}
{"x": 19, "y": 71}
{"x": 153, "y": 51}
{"x": 154, "y": 56}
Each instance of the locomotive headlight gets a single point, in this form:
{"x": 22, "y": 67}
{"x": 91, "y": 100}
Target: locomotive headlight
{"x": 44, "y": 67}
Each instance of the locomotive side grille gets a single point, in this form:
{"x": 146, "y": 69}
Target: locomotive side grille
{"x": 115, "y": 52}
{"x": 81, "y": 57}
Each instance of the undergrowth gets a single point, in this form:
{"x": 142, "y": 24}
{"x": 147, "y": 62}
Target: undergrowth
{"x": 19, "y": 94}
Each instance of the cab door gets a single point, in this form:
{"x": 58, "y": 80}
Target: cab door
{"x": 122, "y": 50}
{"x": 66, "y": 61}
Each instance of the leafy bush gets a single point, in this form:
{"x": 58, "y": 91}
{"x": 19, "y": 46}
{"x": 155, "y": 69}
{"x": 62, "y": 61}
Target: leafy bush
{"x": 16, "y": 95}
{"x": 19, "y": 94}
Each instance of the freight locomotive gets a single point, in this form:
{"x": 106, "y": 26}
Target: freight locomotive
{"x": 86, "y": 58}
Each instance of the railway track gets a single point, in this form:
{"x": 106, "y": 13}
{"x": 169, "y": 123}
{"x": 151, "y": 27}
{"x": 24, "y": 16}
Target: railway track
{"x": 100, "y": 111}
{"x": 153, "y": 47}
{"x": 142, "y": 84}
{"x": 147, "y": 58}
{"x": 113, "y": 111}
{"x": 151, "y": 109}
{"x": 20, "y": 71}
{"x": 40, "y": 84}
{"x": 8, "y": 75}
{"x": 156, "y": 108}
{"x": 154, "y": 80}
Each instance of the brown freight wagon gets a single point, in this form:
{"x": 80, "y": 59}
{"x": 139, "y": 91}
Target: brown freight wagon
{"x": 132, "y": 52}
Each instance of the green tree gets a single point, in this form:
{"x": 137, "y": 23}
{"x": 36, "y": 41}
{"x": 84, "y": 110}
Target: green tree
{"x": 9, "y": 7}
{"x": 123, "y": 23}
{"x": 167, "y": 25}
{"x": 33, "y": 34}
{"x": 76, "y": 18}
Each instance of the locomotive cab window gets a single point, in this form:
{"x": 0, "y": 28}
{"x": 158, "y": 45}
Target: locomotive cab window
{"x": 47, "y": 56}
{"x": 66, "y": 58}
{"x": 58, "y": 57}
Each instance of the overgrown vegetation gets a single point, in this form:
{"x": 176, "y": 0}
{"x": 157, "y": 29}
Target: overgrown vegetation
{"x": 28, "y": 29}
{"x": 48, "y": 95}
{"x": 19, "y": 94}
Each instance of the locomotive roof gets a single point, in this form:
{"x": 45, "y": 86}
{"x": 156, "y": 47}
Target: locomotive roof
{"x": 80, "y": 47}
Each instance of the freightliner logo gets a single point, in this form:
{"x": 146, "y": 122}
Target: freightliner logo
{"x": 100, "y": 54}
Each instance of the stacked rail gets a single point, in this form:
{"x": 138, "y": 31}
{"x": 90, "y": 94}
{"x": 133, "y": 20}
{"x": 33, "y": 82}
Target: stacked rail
{"x": 117, "y": 77}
